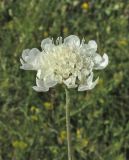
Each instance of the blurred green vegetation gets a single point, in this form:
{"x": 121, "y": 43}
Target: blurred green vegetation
{"x": 32, "y": 125}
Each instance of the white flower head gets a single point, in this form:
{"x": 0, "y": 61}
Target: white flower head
{"x": 70, "y": 62}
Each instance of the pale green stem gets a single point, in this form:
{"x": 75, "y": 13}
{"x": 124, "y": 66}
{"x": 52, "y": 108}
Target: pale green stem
{"x": 68, "y": 124}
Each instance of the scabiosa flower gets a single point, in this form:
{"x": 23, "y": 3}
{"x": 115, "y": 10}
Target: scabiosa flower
{"x": 70, "y": 62}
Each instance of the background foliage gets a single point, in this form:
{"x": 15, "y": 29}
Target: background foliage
{"x": 32, "y": 125}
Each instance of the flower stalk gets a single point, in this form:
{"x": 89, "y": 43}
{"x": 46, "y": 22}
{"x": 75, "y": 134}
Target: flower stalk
{"x": 68, "y": 124}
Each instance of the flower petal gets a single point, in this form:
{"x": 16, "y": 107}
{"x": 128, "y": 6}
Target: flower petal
{"x": 47, "y": 44}
{"x": 97, "y": 59}
{"x": 92, "y": 45}
{"x": 72, "y": 41}
{"x": 30, "y": 59}
{"x": 89, "y": 86}
{"x": 89, "y": 49}
{"x": 33, "y": 53}
{"x": 103, "y": 63}
{"x": 46, "y": 41}
{"x": 41, "y": 87}
{"x": 26, "y": 67}
{"x": 25, "y": 53}
{"x": 50, "y": 80}
{"x": 70, "y": 82}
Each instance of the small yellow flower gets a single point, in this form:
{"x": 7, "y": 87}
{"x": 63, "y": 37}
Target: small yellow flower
{"x": 85, "y": 6}
{"x": 118, "y": 77}
{"x": 34, "y": 118}
{"x": 65, "y": 30}
{"x": 79, "y": 133}
{"x": 34, "y": 109}
{"x": 101, "y": 101}
{"x": 19, "y": 144}
{"x": 45, "y": 34}
{"x": 48, "y": 105}
{"x": 84, "y": 142}
{"x": 123, "y": 42}
{"x": 92, "y": 148}
{"x": 101, "y": 82}
{"x": 63, "y": 135}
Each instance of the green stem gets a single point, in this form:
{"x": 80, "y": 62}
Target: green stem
{"x": 68, "y": 124}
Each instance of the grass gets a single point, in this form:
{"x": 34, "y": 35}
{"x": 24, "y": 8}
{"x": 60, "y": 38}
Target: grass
{"x": 32, "y": 125}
